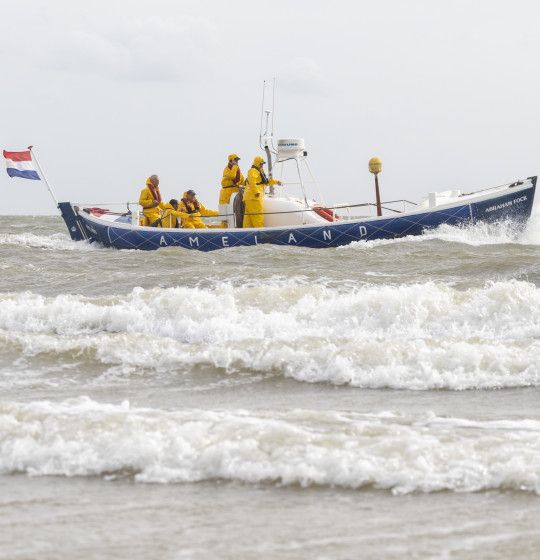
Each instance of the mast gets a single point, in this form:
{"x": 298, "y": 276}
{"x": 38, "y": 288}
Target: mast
{"x": 265, "y": 137}
{"x": 42, "y": 175}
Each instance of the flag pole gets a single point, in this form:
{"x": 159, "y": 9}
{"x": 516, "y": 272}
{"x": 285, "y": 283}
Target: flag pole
{"x": 42, "y": 175}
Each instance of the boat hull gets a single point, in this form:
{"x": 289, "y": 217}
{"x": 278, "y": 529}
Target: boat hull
{"x": 514, "y": 203}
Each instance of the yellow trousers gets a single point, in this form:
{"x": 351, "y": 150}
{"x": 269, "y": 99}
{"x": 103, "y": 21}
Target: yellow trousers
{"x": 256, "y": 220}
{"x": 225, "y": 194}
{"x": 152, "y": 215}
{"x": 193, "y": 224}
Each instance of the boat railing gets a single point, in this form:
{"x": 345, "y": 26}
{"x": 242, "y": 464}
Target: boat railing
{"x": 126, "y": 205}
{"x": 346, "y": 211}
{"x": 398, "y": 206}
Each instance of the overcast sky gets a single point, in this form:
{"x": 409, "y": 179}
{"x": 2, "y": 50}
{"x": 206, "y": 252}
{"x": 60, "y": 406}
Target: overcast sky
{"x": 446, "y": 92}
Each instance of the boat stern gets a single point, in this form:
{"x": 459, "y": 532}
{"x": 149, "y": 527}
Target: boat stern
{"x": 77, "y": 229}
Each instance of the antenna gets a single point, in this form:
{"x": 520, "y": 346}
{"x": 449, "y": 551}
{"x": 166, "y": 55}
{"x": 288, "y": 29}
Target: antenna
{"x": 273, "y": 103}
{"x": 262, "y": 114}
{"x": 266, "y": 128}
{"x": 267, "y": 111}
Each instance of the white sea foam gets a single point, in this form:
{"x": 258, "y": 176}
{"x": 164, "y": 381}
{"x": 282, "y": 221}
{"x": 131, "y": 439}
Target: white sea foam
{"x": 403, "y": 454}
{"x": 481, "y": 233}
{"x": 531, "y": 235}
{"x": 53, "y": 242}
{"x": 415, "y": 337}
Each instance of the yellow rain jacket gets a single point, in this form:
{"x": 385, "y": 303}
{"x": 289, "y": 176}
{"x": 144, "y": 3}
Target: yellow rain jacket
{"x": 151, "y": 210}
{"x": 253, "y": 197}
{"x": 192, "y": 213}
{"x": 172, "y": 218}
{"x": 232, "y": 180}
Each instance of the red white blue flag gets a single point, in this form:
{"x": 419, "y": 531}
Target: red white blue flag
{"x": 20, "y": 164}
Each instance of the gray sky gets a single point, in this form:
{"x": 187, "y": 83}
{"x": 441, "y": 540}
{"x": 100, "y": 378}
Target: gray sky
{"x": 109, "y": 92}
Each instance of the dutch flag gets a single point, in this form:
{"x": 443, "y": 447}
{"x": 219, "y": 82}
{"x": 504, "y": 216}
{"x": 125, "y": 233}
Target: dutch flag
{"x": 20, "y": 164}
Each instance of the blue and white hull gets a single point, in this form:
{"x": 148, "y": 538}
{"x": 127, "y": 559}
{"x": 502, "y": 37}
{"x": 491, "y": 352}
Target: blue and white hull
{"x": 511, "y": 202}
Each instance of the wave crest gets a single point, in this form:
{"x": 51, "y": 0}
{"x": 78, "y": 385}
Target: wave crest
{"x": 419, "y": 336}
{"x": 52, "y": 242}
{"x": 386, "y": 451}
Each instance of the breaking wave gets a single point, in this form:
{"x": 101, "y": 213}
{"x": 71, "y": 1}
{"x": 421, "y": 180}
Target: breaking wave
{"x": 81, "y": 437}
{"x": 421, "y": 336}
{"x": 53, "y": 242}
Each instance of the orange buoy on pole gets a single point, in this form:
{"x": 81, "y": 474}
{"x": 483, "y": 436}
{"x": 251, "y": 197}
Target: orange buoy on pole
{"x": 375, "y": 167}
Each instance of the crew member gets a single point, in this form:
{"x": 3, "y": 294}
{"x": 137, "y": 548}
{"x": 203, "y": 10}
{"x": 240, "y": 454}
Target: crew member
{"x": 150, "y": 200}
{"x": 230, "y": 183}
{"x": 254, "y": 193}
{"x": 192, "y": 211}
{"x": 171, "y": 217}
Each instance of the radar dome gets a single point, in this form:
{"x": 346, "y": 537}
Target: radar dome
{"x": 290, "y": 147}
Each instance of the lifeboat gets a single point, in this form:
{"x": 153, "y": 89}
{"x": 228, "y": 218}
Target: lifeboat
{"x": 291, "y": 223}
{"x": 303, "y": 221}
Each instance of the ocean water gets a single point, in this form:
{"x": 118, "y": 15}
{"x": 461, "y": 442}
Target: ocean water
{"x": 381, "y": 400}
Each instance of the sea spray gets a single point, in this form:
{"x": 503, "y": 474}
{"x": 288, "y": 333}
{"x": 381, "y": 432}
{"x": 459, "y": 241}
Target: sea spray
{"x": 481, "y": 233}
{"x": 54, "y": 242}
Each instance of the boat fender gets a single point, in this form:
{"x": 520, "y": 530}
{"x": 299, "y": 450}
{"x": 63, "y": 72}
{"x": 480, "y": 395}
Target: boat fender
{"x": 326, "y": 213}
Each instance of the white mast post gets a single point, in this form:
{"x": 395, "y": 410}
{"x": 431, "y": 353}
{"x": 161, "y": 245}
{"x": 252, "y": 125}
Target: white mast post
{"x": 42, "y": 175}
{"x": 296, "y": 159}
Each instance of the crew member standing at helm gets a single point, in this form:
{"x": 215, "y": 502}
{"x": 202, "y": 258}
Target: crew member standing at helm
{"x": 254, "y": 193}
{"x": 150, "y": 200}
{"x": 230, "y": 183}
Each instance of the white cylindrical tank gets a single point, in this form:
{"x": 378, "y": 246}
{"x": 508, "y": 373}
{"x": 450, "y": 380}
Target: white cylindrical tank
{"x": 281, "y": 211}
{"x": 290, "y": 148}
